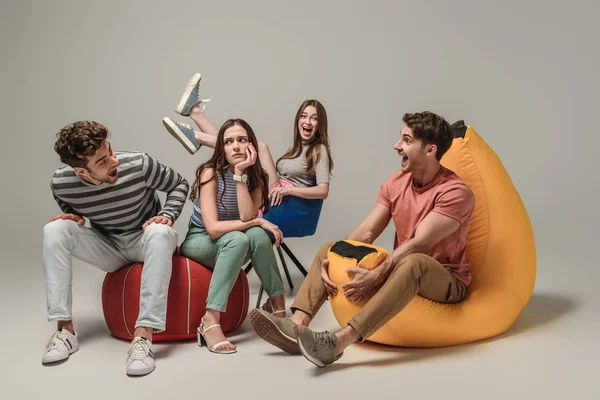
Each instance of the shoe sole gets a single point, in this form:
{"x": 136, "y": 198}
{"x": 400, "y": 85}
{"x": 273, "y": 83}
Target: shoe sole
{"x": 177, "y": 134}
{"x": 270, "y": 332}
{"x": 308, "y": 356}
{"x": 53, "y": 360}
{"x": 141, "y": 372}
{"x": 187, "y": 92}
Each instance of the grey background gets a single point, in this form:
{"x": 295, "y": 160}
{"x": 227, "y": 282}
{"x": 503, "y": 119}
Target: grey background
{"x": 522, "y": 73}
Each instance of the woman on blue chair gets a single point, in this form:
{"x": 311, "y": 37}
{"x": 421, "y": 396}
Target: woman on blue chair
{"x": 303, "y": 171}
{"x": 224, "y": 229}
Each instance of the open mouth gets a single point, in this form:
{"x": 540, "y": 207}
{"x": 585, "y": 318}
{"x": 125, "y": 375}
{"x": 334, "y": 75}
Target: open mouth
{"x": 404, "y": 161}
{"x": 112, "y": 173}
{"x": 307, "y": 130}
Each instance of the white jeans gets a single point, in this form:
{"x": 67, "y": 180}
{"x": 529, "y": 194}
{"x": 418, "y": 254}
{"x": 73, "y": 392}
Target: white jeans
{"x": 154, "y": 247}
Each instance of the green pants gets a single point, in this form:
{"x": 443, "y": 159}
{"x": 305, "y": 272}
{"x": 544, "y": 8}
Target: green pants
{"x": 226, "y": 255}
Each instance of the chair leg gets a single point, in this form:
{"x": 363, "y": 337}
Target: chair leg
{"x": 260, "y": 293}
{"x": 285, "y": 268}
{"x": 248, "y": 268}
{"x": 294, "y": 259}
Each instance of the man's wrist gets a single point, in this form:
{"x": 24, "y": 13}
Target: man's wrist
{"x": 383, "y": 270}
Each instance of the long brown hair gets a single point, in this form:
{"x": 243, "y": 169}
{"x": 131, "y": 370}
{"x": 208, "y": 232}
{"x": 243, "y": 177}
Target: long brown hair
{"x": 313, "y": 153}
{"x": 257, "y": 177}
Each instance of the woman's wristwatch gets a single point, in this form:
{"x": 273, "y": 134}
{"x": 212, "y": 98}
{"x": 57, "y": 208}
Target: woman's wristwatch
{"x": 243, "y": 178}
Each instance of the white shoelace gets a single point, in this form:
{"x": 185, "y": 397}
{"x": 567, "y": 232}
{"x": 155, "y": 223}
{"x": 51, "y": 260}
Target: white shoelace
{"x": 57, "y": 341}
{"x": 184, "y": 125}
{"x": 139, "y": 349}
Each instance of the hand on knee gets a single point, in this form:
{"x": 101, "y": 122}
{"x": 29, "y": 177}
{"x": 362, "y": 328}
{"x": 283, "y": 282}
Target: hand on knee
{"x": 59, "y": 231}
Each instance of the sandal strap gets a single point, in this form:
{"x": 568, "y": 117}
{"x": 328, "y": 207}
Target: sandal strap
{"x": 204, "y": 328}
{"x": 269, "y": 308}
{"x": 215, "y": 346}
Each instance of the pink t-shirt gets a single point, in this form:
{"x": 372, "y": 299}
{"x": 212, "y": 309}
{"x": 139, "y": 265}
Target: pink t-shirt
{"x": 448, "y": 195}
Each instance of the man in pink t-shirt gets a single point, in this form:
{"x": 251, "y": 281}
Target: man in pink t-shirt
{"x": 431, "y": 208}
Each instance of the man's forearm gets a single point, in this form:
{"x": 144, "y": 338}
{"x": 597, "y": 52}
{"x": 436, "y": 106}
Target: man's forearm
{"x": 409, "y": 247}
{"x": 361, "y": 235}
{"x": 175, "y": 200}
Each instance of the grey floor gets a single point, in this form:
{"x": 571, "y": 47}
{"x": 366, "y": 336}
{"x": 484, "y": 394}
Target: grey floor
{"x": 550, "y": 352}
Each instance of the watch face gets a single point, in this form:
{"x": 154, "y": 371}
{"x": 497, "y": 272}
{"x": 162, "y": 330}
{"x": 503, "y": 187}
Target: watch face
{"x": 243, "y": 178}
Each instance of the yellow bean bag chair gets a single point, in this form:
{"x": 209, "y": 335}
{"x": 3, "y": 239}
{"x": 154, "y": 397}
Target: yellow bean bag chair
{"x": 501, "y": 250}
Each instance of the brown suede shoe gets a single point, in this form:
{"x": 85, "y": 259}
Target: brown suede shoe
{"x": 280, "y": 332}
{"x": 317, "y": 347}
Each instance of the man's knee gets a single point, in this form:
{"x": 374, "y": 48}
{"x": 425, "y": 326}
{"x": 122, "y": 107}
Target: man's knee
{"x": 161, "y": 232}
{"x": 322, "y": 253}
{"x": 415, "y": 258}
{"x": 58, "y": 230}
{"x": 415, "y": 262}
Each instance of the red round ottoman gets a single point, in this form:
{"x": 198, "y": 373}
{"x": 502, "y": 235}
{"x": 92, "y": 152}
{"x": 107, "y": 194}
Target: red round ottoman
{"x": 186, "y": 302}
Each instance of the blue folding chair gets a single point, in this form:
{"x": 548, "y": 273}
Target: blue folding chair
{"x": 295, "y": 217}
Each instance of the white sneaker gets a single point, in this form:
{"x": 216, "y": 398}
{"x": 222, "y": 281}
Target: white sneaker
{"x": 62, "y": 344}
{"x": 140, "y": 358}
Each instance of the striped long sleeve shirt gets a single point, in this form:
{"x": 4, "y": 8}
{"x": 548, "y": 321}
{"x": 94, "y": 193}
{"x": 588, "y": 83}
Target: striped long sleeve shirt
{"x": 125, "y": 205}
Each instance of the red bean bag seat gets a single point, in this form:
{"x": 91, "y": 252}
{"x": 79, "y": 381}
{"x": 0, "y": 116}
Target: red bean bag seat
{"x": 186, "y": 302}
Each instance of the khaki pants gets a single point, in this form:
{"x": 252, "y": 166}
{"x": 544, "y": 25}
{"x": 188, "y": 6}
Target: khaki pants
{"x": 412, "y": 275}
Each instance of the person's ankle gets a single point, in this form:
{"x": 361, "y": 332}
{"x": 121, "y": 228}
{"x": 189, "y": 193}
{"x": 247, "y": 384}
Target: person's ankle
{"x": 210, "y": 318}
{"x": 196, "y": 110}
{"x": 300, "y": 318}
{"x": 68, "y": 325}
{"x": 198, "y": 136}
{"x": 277, "y": 303}
{"x": 344, "y": 338}
{"x": 144, "y": 332}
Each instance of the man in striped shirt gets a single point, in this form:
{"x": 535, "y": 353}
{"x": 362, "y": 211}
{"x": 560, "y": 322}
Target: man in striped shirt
{"x": 118, "y": 193}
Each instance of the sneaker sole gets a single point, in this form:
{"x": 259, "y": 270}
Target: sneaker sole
{"x": 187, "y": 92}
{"x": 140, "y": 372}
{"x": 270, "y": 332}
{"x": 177, "y": 134}
{"x": 309, "y": 357}
{"x": 60, "y": 357}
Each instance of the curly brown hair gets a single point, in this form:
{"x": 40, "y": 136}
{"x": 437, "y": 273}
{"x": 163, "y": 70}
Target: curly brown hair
{"x": 79, "y": 140}
{"x": 430, "y": 128}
